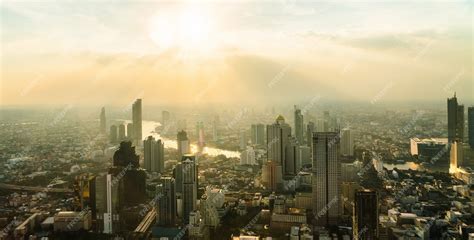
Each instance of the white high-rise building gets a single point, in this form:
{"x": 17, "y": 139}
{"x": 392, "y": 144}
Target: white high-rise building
{"x": 326, "y": 178}
{"x": 347, "y": 142}
{"x": 247, "y": 157}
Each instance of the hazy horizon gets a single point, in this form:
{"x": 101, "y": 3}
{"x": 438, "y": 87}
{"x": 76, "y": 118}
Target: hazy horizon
{"x": 237, "y": 53}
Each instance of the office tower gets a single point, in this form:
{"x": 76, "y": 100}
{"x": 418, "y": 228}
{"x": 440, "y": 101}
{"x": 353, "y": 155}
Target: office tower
{"x": 183, "y": 144}
{"x": 190, "y": 185}
{"x": 242, "y": 139}
{"x": 271, "y": 175}
{"x": 304, "y": 155}
{"x": 455, "y": 120}
{"x": 257, "y": 132}
{"x": 456, "y": 155}
{"x": 125, "y": 156}
{"x": 165, "y": 118}
{"x": 310, "y": 128}
{"x": 154, "y": 155}
{"x": 166, "y": 204}
{"x": 103, "y": 122}
{"x": 107, "y": 204}
{"x": 247, "y": 157}
{"x": 277, "y": 140}
{"x": 291, "y": 166}
{"x": 200, "y": 136}
{"x": 121, "y": 132}
{"x": 129, "y": 131}
{"x": 130, "y": 178}
{"x": 366, "y": 215}
{"x": 298, "y": 125}
{"x": 470, "y": 123}
{"x": 347, "y": 142}
{"x": 137, "y": 121}
{"x": 326, "y": 178}
{"x": 113, "y": 134}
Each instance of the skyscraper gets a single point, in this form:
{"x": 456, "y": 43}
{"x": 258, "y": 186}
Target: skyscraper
{"x": 183, "y": 144}
{"x": 242, "y": 139}
{"x": 121, "y": 132}
{"x": 347, "y": 142}
{"x": 291, "y": 164}
{"x": 470, "y": 120}
{"x": 298, "y": 125}
{"x": 130, "y": 178}
{"x": 257, "y": 132}
{"x": 455, "y": 120}
{"x": 310, "y": 128}
{"x": 277, "y": 139}
{"x": 129, "y": 131}
{"x": 326, "y": 178}
{"x": 113, "y": 134}
{"x": 200, "y": 136}
{"x": 103, "y": 122}
{"x": 366, "y": 215}
{"x": 154, "y": 156}
{"x": 190, "y": 185}
{"x": 137, "y": 121}
{"x": 247, "y": 157}
{"x": 272, "y": 175}
{"x": 166, "y": 202}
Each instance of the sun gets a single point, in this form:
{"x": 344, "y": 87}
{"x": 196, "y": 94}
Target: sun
{"x": 190, "y": 29}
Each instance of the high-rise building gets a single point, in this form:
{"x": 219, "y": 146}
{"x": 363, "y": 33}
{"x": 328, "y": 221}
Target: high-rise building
{"x": 107, "y": 204}
{"x": 242, "y": 139}
{"x": 347, "y": 142}
{"x": 456, "y": 155}
{"x": 272, "y": 175}
{"x": 366, "y": 215}
{"x": 103, "y": 122}
{"x": 190, "y": 185}
{"x": 326, "y": 178}
{"x": 247, "y": 157}
{"x": 137, "y": 121}
{"x": 113, "y": 135}
{"x": 310, "y": 128}
{"x": 299, "y": 125}
{"x": 130, "y": 131}
{"x": 130, "y": 178}
{"x": 166, "y": 203}
{"x": 154, "y": 155}
{"x": 304, "y": 155}
{"x": 291, "y": 164}
{"x": 257, "y": 132}
{"x": 277, "y": 139}
{"x": 455, "y": 120}
{"x": 121, "y": 132}
{"x": 470, "y": 123}
{"x": 184, "y": 146}
{"x": 200, "y": 136}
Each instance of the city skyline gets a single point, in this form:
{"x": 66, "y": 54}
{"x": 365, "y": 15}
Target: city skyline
{"x": 237, "y": 120}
